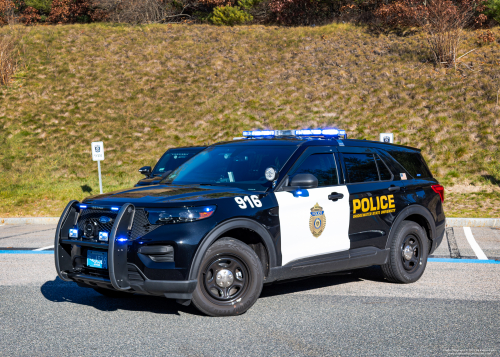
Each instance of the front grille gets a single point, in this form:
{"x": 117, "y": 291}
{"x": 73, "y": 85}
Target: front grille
{"x": 92, "y": 216}
{"x": 141, "y": 225}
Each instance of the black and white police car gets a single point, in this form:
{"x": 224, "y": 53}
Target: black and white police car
{"x": 170, "y": 160}
{"x": 274, "y": 206}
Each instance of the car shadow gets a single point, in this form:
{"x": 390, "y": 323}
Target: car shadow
{"x": 373, "y": 273}
{"x": 69, "y": 292}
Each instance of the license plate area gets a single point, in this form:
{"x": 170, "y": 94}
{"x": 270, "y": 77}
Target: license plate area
{"x": 97, "y": 259}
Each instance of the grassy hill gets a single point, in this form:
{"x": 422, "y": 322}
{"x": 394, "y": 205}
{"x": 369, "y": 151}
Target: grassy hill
{"x": 144, "y": 89}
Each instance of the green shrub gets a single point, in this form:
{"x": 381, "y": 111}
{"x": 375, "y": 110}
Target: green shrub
{"x": 229, "y": 16}
{"x": 493, "y": 9}
{"x": 248, "y": 4}
{"x": 43, "y": 6}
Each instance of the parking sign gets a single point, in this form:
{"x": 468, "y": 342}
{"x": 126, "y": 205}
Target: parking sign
{"x": 387, "y": 138}
{"x": 97, "y": 151}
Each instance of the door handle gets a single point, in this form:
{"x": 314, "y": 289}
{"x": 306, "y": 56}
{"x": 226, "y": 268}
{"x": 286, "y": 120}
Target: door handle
{"x": 335, "y": 196}
{"x": 394, "y": 188}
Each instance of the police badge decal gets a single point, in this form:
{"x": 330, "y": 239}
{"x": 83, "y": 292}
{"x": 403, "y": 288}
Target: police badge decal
{"x": 317, "y": 221}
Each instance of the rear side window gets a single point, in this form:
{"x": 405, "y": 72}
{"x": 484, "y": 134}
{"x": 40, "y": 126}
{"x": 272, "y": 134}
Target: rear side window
{"x": 360, "y": 167}
{"x": 322, "y": 166}
{"x": 413, "y": 162}
{"x": 385, "y": 174}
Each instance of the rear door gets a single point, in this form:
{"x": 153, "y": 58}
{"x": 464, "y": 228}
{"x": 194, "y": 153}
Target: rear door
{"x": 374, "y": 196}
{"x": 311, "y": 224}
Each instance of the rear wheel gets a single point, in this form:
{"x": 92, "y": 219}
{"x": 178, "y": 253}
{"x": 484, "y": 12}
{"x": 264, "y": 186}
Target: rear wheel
{"x": 230, "y": 279}
{"x": 408, "y": 256}
{"x": 112, "y": 293}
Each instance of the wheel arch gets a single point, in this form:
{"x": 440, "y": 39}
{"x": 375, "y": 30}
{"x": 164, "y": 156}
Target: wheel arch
{"x": 232, "y": 227}
{"x": 418, "y": 214}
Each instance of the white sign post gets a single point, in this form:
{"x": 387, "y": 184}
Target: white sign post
{"x": 387, "y": 138}
{"x": 98, "y": 155}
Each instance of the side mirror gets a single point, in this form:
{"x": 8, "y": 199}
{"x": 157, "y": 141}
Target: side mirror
{"x": 145, "y": 170}
{"x": 304, "y": 181}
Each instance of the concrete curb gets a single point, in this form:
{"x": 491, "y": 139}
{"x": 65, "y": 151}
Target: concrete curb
{"x": 472, "y": 222}
{"x": 29, "y": 220}
{"x": 450, "y": 222}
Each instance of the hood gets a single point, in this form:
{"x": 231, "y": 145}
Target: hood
{"x": 166, "y": 194}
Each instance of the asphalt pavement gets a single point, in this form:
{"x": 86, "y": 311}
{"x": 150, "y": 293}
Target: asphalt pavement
{"x": 453, "y": 310}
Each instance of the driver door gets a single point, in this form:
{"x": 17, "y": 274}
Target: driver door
{"x": 312, "y": 224}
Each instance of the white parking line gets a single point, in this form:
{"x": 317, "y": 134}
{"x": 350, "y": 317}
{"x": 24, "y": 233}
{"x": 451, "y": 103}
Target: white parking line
{"x": 49, "y": 247}
{"x": 472, "y": 242}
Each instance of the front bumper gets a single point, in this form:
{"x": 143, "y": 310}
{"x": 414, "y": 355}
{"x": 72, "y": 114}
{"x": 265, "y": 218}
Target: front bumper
{"x": 120, "y": 274}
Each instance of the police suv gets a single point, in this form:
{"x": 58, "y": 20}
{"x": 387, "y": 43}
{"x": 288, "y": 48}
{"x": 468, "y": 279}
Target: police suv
{"x": 276, "y": 205}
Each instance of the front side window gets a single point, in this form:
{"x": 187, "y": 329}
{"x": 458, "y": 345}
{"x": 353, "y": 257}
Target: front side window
{"x": 322, "y": 166}
{"x": 360, "y": 167}
{"x": 239, "y": 166}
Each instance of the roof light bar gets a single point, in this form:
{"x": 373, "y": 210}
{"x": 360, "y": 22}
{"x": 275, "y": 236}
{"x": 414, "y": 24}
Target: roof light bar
{"x": 308, "y": 132}
{"x": 330, "y": 132}
{"x": 324, "y": 133}
{"x": 259, "y": 133}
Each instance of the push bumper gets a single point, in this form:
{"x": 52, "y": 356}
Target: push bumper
{"x": 171, "y": 289}
{"x": 123, "y": 276}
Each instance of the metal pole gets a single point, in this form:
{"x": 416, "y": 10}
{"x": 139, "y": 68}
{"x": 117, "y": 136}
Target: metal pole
{"x": 100, "y": 180}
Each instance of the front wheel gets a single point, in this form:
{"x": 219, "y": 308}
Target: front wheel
{"x": 408, "y": 256}
{"x": 230, "y": 279}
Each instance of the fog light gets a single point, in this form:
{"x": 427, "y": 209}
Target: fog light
{"x": 103, "y": 236}
{"x": 73, "y": 233}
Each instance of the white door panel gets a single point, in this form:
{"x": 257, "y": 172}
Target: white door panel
{"x": 297, "y": 228}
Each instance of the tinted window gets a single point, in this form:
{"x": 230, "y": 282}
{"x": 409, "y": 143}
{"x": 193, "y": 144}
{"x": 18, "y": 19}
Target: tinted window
{"x": 413, "y": 163}
{"x": 238, "y": 166}
{"x": 172, "y": 159}
{"x": 322, "y": 166}
{"x": 384, "y": 172}
{"x": 360, "y": 167}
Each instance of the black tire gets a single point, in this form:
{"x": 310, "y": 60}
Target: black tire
{"x": 112, "y": 293}
{"x": 228, "y": 261}
{"x": 400, "y": 267}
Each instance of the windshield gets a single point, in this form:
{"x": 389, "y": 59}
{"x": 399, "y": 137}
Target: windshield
{"x": 173, "y": 159}
{"x": 238, "y": 166}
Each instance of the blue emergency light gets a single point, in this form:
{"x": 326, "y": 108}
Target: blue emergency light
{"x": 73, "y": 233}
{"x": 319, "y": 133}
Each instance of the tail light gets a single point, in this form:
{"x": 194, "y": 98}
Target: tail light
{"x": 439, "y": 190}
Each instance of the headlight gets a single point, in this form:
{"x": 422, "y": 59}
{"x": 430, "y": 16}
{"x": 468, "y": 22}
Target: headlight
{"x": 179, "y": 215}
